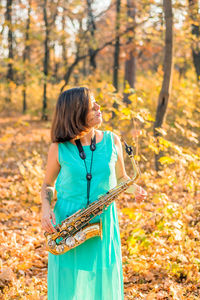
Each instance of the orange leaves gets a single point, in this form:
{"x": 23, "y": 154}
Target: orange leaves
{"x": 22, "y": 256}
{"x": 133, "y": 214}
{"x": 35, "y": 208}
{"x": 6, "y": 277}
{"x": 160, "y": 237}
{"x": 37, "y": 199}
{"x": 107, "y": 116}
{"x": 110, "y": 88}
{"x": 166, "y": 160}
{"x": 161, "y": 244}
{"x": 24, "y": 266}
{"x": 4, "y": 216}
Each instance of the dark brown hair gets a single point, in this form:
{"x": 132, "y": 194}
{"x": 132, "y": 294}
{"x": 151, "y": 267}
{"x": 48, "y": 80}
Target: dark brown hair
{"x": 69, "y": 120}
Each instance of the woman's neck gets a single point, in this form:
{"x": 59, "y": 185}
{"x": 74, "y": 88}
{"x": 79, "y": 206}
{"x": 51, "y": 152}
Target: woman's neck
{"x": 86, "y": 139}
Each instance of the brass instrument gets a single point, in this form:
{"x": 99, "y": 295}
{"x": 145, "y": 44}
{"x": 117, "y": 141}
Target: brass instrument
{"x": 76, "y": 229}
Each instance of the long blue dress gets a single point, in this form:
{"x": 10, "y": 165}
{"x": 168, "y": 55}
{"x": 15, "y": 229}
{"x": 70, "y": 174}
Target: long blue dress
{"x": 92, "y": 270}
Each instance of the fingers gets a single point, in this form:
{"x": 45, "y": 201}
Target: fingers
{"x": 53, "y": 218}
{"x": 47, "y": 225}
{"x": 142, "y": 194}
{"x": 139, "y": 199}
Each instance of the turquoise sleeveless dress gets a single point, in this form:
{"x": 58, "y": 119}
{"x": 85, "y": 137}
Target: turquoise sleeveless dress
{"x": 92, "y": 270}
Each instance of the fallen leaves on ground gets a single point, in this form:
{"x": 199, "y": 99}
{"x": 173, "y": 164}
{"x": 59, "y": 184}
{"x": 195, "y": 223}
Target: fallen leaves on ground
{"x": 160, "y": 237}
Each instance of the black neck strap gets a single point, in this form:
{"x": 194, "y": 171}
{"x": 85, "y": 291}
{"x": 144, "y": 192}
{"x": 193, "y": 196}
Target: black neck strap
{"x": 83, "y": 156}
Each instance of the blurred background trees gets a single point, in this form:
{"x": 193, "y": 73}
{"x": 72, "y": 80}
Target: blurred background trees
{"x": 140, "y": 58}
{"x": 60, "y": 42}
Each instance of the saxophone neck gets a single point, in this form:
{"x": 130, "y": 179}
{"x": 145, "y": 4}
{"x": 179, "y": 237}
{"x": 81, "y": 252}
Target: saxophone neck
{"x": 136, "y": 169}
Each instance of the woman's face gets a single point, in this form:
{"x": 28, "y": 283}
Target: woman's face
{"x": 94, "y": 117}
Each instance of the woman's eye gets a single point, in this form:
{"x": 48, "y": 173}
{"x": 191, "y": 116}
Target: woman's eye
{"x": 93, "y": 107}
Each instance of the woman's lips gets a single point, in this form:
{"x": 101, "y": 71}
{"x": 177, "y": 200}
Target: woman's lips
{"x": 98, "y": 114}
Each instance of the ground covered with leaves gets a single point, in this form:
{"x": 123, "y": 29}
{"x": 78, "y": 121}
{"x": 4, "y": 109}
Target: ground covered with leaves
{"x": 160, "y": 237}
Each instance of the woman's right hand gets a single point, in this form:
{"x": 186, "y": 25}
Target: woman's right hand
{"x": 48, "y": 216}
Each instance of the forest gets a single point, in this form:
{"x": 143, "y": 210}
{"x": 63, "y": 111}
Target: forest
{"x": 141, "y": 59}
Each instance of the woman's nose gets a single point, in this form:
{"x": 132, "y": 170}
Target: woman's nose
{"x": 97, "y": 106}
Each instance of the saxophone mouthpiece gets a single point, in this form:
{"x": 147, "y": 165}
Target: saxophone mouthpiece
{"x": 128, "y": 149}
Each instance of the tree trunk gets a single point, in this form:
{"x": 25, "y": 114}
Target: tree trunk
{"x": 10, "y": 47}
{"x": 130, "y": 69}
{"x": 194, "y": 15}
{"x": 64, "y": 55}
{"x": 84, "y": 67}
{"x": 46, "y": 61}
{"x": 130, "y": 63}
{"x": 117, "y": 46}
{"x": 91, "y": 29}
{"x": 49, "y": 21}
{"x": 26, "y": 56}
{"x": 168, "y": 67}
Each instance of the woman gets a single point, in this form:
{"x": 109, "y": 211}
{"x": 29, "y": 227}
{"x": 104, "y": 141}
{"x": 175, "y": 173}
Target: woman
{"x": 92, "y": 270}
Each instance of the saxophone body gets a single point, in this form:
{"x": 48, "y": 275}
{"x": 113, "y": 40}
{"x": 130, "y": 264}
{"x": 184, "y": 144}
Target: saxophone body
{"x": 76, "y": 229}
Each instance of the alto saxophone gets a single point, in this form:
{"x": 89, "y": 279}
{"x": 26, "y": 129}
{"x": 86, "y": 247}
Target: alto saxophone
{"x": 76, "y": 229}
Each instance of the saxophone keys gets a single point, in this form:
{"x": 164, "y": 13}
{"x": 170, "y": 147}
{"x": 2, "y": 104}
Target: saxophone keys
{"x": 57, "y": 228}
{"x": 80, "y": 236}
{"x": 51, "y": 243}
{"x": 60, "y": 248}
{"x": 70, "y": 242}
{"x": 63, "y": 233}
{"x": 69, "y": 228}
{"x": 77, "y": 223}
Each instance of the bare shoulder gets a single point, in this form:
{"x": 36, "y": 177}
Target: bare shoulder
{"x": 53, "y": 151}
{"x": 53, "y": 148}
{"x": 53, "y": 166}
{"x": 117, "y": 140}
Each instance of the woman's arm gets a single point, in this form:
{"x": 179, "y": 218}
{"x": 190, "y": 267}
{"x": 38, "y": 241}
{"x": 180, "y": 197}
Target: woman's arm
{"x": 121, "y": 174}
{"x": 47, "y": 191}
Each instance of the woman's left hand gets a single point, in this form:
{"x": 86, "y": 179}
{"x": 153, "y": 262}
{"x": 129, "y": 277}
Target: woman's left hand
{"x": 140, "y": 194}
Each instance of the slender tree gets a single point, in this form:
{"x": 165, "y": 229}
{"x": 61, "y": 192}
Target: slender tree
{"x": 194, "y": 8}
{"x": 63, "y": 42}
{"x": 49, "y": 21}
{"x": 46, "y": 60}
{"x": 10, "y": 75}
{"x": 130, "y": 63}
{"x": 26, "y": 56}
{"x": 164, "y": 95}
{"x": 91, "y": 29}
{"x": 117, "y": 46}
